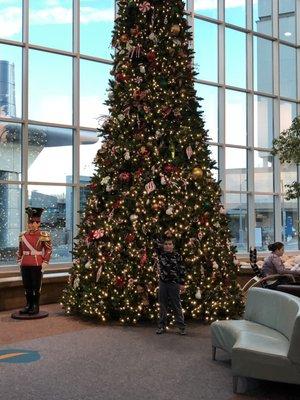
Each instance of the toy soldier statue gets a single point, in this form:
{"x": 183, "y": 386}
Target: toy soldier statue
{"x": 33, "y": 256}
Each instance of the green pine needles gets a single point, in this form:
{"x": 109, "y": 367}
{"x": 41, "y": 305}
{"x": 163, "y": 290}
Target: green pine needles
{"x": 153, "y": 178}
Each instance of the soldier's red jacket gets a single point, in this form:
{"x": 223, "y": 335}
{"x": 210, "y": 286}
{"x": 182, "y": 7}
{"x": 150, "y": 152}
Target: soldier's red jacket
{"x": 35, "y": 248}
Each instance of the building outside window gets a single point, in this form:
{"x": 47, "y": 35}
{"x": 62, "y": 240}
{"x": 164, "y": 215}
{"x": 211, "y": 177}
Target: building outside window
{"x": 55, "y": 62}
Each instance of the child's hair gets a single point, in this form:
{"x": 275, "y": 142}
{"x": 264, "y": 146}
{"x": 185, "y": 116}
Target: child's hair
{"x": 275, "y": 246}
{"x": 168, "y": 239}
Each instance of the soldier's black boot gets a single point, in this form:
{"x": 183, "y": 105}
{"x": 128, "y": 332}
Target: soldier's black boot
{"x": 35, "y": 309}
{"x": 26, "y": 309}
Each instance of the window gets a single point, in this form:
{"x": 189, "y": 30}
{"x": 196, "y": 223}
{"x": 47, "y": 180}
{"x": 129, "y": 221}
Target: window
{"x": 209, "y": 105}
{"x": 262, "y": 16}
{"x": 288, "y": 87}
{"x": 235, "y": 118}
{"x": 235, "y": 12}
{"x": 235, "y": 46}
{"x": 206, "y": 42}
{"x": 263, "y": 65}
{"x": 50, "y": 87}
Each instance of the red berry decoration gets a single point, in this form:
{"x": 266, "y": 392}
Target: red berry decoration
{"x": 168, "y": 168}
{"x": 151, "y": 56}
{"x": 119, "y": 281}
{"x": 120, "y": 77}
{"x": 125, "y": 177}
{"x": 130, "y": 237}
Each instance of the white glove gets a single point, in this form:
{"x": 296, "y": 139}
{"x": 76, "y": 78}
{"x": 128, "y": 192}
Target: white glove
{"x": 44, "y": 265}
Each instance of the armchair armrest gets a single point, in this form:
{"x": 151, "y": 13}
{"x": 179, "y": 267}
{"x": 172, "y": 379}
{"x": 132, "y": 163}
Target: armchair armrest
{"x": 275, "y": 276}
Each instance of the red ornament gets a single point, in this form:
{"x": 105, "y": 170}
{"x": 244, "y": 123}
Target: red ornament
{"x": 120, "y": 77}
{"x": 116, "y": 204}
{"x": 151, "y": 56}
{"x": 119, "y": 281}
{"x": 92, "y": 186}
{"x": 143, "y": 257}
{"x": 125, "y": 177}
{"x": 130, "y": 237}
{"x": 169, "y": 168}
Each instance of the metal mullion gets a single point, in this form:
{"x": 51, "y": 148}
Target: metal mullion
{"x": 76, "y": 116}
{"x": 49, "y": 124}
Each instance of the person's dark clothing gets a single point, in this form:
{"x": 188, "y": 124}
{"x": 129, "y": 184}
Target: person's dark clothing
{"x": 171, "y": 276}
{"x": 169, "y": 291}
{"x": 170, "y": 267}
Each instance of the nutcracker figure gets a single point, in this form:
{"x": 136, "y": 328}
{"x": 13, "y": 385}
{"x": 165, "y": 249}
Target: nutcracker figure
{"x": 33, "y": 256}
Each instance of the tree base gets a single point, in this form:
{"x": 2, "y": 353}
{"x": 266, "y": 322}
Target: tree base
{"x": 41, "y": 314}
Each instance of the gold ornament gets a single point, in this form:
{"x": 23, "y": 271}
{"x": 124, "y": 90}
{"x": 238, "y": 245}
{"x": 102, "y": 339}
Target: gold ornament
{"x": 175, "y": 30}
{"x": 197, "y": 173}
{"x": 124, "y": 38}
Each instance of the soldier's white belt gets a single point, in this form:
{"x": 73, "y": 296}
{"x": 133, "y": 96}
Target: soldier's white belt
{"x": 32, "y": 253}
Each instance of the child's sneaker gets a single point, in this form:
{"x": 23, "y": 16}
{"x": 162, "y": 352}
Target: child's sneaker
{"x": 181, "y": 331}
{"x": 160, "y": 331}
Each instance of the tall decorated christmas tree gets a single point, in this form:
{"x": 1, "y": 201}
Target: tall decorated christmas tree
{"x": 153, "y": 177}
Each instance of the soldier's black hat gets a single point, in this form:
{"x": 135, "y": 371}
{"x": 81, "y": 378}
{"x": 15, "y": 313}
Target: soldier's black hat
{"x": 34, "y": 213}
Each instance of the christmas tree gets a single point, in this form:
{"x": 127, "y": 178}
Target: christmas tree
{"x": 153, "y": 177}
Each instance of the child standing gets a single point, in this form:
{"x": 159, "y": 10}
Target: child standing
{"x": 171, "y": 284}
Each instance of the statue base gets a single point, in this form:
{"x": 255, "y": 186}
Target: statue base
{"x": 41, "y": 314}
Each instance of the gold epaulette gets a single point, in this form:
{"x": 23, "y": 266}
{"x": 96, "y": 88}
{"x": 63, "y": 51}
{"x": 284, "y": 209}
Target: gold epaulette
{"x": 20, "y": 235}
{"x": 45, "y": 236}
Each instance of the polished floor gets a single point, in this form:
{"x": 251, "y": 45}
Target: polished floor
{"x": 81, "y": 360}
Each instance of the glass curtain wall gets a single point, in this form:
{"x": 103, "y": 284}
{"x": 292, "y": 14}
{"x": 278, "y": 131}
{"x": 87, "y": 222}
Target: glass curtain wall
{"x": 246, "y": 56}
{"x": 55, "y": 61}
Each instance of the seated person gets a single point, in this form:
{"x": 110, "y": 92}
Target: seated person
{"x": 273, "y": 264}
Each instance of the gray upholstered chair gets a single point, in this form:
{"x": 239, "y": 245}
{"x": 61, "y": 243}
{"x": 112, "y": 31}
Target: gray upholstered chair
{"x": 265, "y": 344}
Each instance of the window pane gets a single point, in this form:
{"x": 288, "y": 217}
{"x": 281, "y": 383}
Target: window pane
{"x": 50, "y": 87}
{"x": 262, "y": 16}
{"x": 50, "y": 23}
{"x": 263, "y": 121}
{"x": 10, "y": 151}
{"x": 94, "y": 78}
{"x": 11, "y": 20}
{"x": 236, "y": 164}
{"x": 96, "y": 25}
{"x": 10, "y": 81}
{"x": 237, "y": 212}
{"x": 209, "y": 106}
{"x": 236, "y": 122}
{"x": 287, "y": 20}
{"x": 290, "y": 224}
{"x": 263, "y": 171}
{"x": 215, "y": 157}
{"x": 206, "y": 42}
{"x": 84, "y": 194}
{"x": 50, "y": 154}
{"x": 263, "y": 65}
{"x": 288, "y": 87}
{"x": 235, "y": 12}
{"x": 288, "y": 175}
{"x": 10, "y": 222}
{"x": 208, "y": 8}
{"x": 89, "y": 145}
{"x": 264, "y": 221}
{"x": 288, "y": 111}
{"x": 57, "y": 217}
{"x": 235, "y": 45}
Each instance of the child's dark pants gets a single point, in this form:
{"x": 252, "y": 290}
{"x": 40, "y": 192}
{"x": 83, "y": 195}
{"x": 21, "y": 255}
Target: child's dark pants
{"x": 169, "y": 291}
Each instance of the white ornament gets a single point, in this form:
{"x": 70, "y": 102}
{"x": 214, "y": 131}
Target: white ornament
{"x": 150, "y": 187}
{"x": 88, "y": 265}
{"x": 76, "y": 282}
{"x": 142, "y": 69}
{"x": 109, "y": 188}
{"x": 99, "y": 272}
{"x": 169, "y": 211}
{"x": 163, "y": 180}
{"x": 133, "y": 217}
{"x": 127, "y": 155}
{"x": 152, "y": 36}
{"x": 105, "y": 180}
{"x": 110, "y": 94}
{"x": 198, "y": 294}
{"x": 189, "y": 152}
{"x": 121, "y": 117}
{"x": 215, "y": 265}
